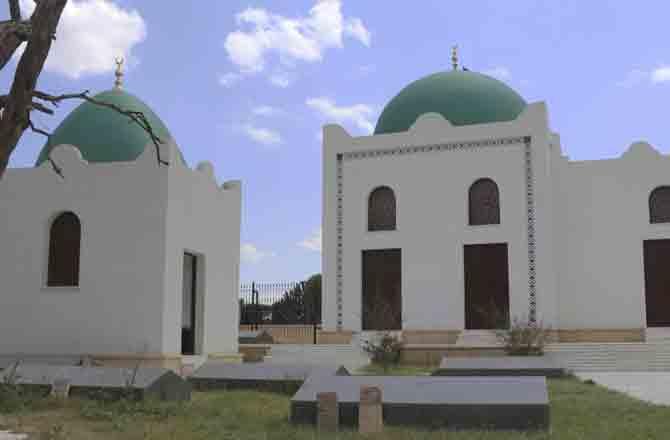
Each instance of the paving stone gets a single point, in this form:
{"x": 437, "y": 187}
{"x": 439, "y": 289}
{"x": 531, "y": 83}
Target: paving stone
{"x": 499, "y": 366}
{"x": 453, "y": 402}
{"x": 106, "y": 382}
{"x": 328, "y": 419}
{"x": 271, "y": 377}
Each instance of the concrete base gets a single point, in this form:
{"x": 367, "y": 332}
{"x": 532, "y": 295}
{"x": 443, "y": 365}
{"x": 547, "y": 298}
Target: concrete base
{"x": 268, "y": 377}
{"x": 520, "y": 403}
{"x": 106, "y": 382}
{"x": 500, "y": 366}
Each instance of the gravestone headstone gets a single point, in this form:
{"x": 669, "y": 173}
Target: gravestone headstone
{"x": 370, "y": 410}
{"x": 328, "y": 414}
{"x": 60, "y": 388}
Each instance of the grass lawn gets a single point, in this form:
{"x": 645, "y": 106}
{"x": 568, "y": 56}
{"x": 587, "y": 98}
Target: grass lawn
{"x": 578, "y": 411}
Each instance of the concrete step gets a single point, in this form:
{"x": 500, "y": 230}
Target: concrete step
{"x": 646, "y": 356}
{"x": 477, "y": 338}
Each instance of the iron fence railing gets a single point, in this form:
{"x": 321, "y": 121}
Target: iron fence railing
{"x": 279, "y": 303}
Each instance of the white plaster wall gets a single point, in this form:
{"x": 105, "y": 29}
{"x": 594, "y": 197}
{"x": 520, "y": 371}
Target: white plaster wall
{"x": 431, "y": 195}
{"x": 203, "y": 219}
{"x": 117, "y": 306}
{"x": 605, "y": 218}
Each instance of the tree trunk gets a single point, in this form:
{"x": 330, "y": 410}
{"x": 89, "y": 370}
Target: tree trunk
{"x": 16, "y": 113}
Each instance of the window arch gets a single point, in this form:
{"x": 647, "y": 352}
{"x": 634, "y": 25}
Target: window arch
{"x": 64, "y": 248}
{"x": 381, "y": 210}
{"x": 484, "y": 203}
{"x": 659, "y": 205}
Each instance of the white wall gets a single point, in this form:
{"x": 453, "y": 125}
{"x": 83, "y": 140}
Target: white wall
{"x": 203, "y": 219}
{"x": 116, "y": 308}
{"x": 605, "y": 207}
{"x": 432, "y": 226}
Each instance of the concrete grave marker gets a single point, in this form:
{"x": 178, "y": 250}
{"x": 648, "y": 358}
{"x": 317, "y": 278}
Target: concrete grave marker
{"x": 60, "y": 388}
{"x": 328, "y": 415}
{"x": 370, "y": 410}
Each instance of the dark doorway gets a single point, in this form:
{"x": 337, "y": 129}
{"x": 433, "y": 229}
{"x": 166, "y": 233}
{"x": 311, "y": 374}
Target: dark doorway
{"x": 189, "y": 289}
{"x": 382, "y": 297}
{"x": 657, "y": 282}
{"x": 486, "y": 286}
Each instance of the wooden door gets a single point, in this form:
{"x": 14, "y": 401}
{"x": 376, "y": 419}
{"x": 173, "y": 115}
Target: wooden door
{"x": 657, "y": 282}
{"x": 382, "y": 297}
{"x": 486, "y": 286}
{"x": 188, "y": 326}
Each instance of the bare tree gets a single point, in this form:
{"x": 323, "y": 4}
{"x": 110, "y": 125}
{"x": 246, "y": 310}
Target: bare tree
{"x": 38, "y": 32}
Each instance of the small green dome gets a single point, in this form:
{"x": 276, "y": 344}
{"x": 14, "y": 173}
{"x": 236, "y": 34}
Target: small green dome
{"x": 104, "y": 135}
{"x": 461, "y": 97}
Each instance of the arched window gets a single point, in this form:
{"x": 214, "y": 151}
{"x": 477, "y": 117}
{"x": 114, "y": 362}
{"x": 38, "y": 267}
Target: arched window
{"x": 381, "y": 209}
{"x": 64, "y": 246}
{"x": 484, "y": 203}
{"x": 659, "y": 205}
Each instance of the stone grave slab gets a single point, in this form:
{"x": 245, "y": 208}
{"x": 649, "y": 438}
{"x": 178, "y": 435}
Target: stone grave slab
{"x": 519, "y": 403}
{"x": 269, "y": 377}
{"x": 105, "y": 382}
{"x": 499, "y": 366}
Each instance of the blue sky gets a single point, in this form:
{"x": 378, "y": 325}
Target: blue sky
{"x": 248, "y": 84}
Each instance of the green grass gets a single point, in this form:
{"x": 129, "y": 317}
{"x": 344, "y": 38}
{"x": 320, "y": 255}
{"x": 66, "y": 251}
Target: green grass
{"x": 578, "y": 411}
{"x": 396, "y": 370}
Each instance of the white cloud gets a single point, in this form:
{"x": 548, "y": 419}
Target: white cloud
{"x": 280, "y": 80}
{"x": 499, "y": 72}
{"x": 359, "y": 114}
{"x": 637, "y": 76}
{"x": 229, "y": 79}
{"x": 313, "y": 242}
{"x": 266, "y": 110}
{"x": 263, "y": 136}
{"x": 634, "y": 77}
{"x": 356, "y": 29}
{"x": 90, "y": 35}
{"x": 295, "y": 39}
{"x": 249, "y": 253}
{"x": 662, "y": 74}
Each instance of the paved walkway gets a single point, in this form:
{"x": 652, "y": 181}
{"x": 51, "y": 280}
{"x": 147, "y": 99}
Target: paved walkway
{"x": 652, "y": 387}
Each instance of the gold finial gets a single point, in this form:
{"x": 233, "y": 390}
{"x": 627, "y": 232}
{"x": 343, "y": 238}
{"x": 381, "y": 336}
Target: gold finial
{"x": 119, "y": 73}
{"x": 454, "y": 57}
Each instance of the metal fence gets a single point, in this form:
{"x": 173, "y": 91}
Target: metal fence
{"x": 279, "y": 303}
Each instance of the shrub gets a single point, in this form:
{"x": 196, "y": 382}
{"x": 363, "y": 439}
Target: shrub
{"x": 523, "y": 338}
{"x": 383, "y": 350}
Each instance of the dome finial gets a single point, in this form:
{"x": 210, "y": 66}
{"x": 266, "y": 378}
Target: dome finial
{"x": 119, "y": 73}
{"x": 454, "y": 57}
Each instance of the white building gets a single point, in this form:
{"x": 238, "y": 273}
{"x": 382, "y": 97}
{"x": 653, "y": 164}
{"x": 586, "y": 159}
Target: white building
{"x": 123, "y": 257}
{"x": 462, "y": 204}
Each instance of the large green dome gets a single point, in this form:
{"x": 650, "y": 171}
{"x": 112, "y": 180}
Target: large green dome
{"x": 104, "y": 135}
{"x": 462, "y": 97}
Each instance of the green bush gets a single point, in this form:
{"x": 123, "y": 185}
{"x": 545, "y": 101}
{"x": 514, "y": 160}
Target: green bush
{"x": 523, "y": 338}
{"x": 384, "y": 351}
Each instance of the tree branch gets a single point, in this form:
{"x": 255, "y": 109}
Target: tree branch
{"x": 15, "y": 115}
{"x": 134, "y": 116}
{"x": 58, "y": 170}
{"x": 15, "y": 10}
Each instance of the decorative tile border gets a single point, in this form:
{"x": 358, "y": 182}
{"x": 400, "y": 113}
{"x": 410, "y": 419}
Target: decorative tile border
{"x": 455, "y": 146}
{"x": 530, "y": 209}
{"x": 339, "y": 242}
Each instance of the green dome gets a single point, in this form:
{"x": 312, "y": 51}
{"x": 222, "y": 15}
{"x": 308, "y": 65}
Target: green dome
{"x": 462, "y": 97}
{"x": 104, "y": 135}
